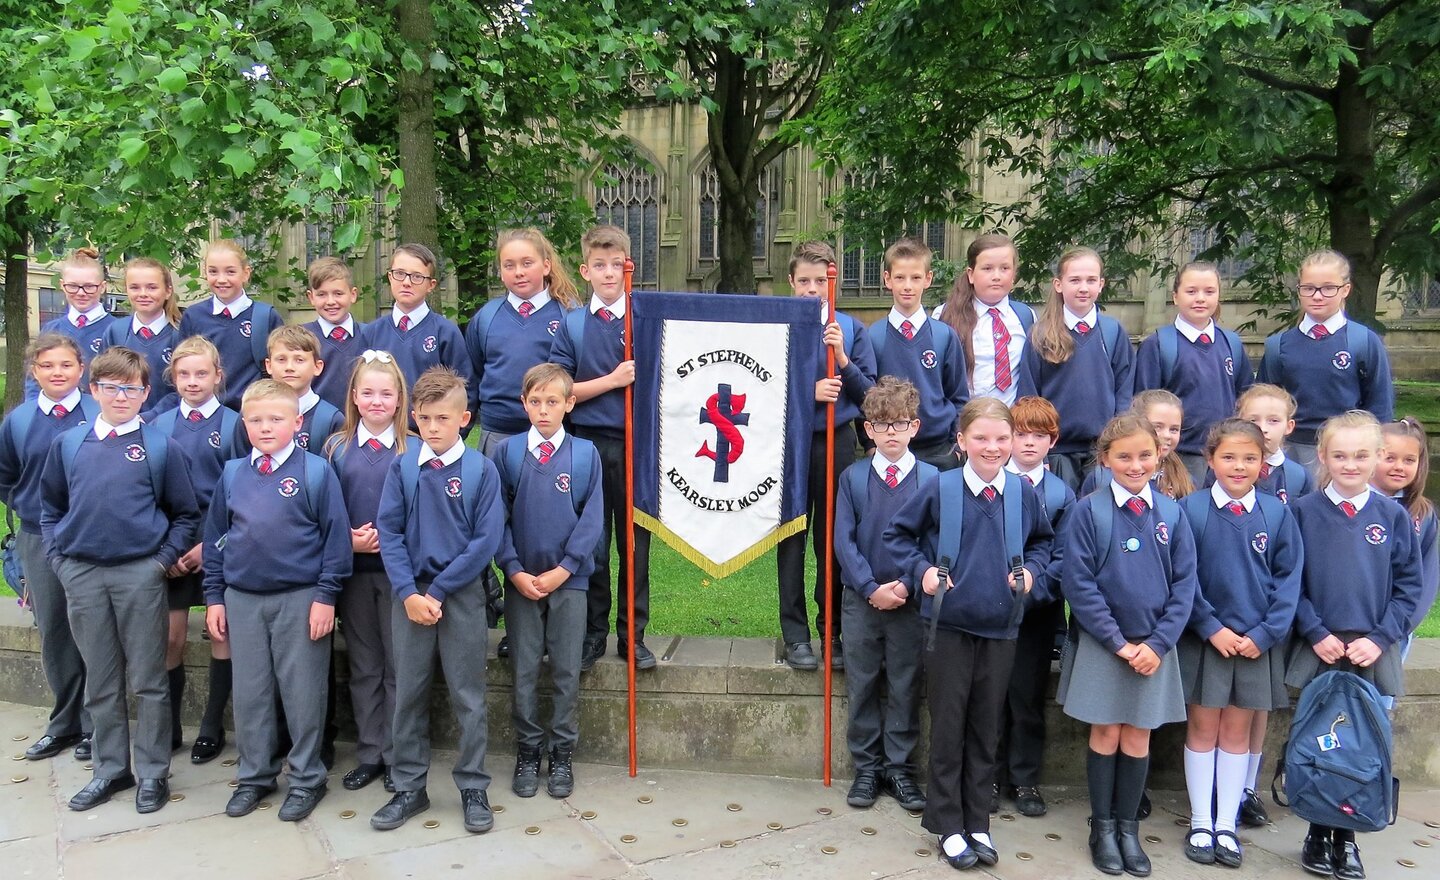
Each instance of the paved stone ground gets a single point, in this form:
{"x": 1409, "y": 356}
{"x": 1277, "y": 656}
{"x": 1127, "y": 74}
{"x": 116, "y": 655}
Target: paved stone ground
{"x": 692, "y": 825}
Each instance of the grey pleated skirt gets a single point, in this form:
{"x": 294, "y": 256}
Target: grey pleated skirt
{"x": 1217, "y": 682}
{"x": 1387, "y": 674}
{"x": 1097, "y": 687}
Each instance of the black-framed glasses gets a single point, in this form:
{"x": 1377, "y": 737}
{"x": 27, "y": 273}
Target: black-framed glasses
{"x": 72, "y": 287}
{"x": 1329, "y": 291}
{"x": 413, "y": 277}
{"x": 110, "y": 389}
{"x": 887, "y": 427}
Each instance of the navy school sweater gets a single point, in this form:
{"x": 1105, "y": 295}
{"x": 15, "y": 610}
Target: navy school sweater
{"x": 1049, "y": 591}
{"x": 272, "y": 542}
{"x": 232, "y": 336}
{"x": 156, "y": 351}
{"x": 1426, "y": 532}
{"x": 333, "y": 383}
{"x": 1088, "y": 390}
{"x": 1208, "y": 379}
{"x": 512, "y": 345}
{"x": 22, "y": 462}
{"x": 1362, "y": 573}
{"x": 543, "y": 529}
{"x": 205, "y": 451}
{"x": 362, "y": 473}
{"x": 317, "y": 424}
{"x": 857, "y": 377}
{"x": 1325, "y": 379}
{"x": 1240, "y": 586}
{"x": 432, "y": 342}
{"x": 602, "y": 351}
{"x": 90, "y": 338}
{"x": 944, "y": 387}
{"x": 102, "y": 507}
{"x": 431, "y": 549}
{"x": 860, "y": 524}
{"x": 1129, "y": 599}
{"x": 981, "y": 602}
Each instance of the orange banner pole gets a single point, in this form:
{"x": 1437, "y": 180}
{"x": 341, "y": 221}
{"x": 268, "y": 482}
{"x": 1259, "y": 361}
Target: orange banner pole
{"x": 629, "y": 546}
{"x": 829, "y": 563}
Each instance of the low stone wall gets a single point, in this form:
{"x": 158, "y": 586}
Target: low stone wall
{"x": 727, "y": 705}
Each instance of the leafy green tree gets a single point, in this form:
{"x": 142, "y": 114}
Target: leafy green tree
{"x": 1273, "y": 127}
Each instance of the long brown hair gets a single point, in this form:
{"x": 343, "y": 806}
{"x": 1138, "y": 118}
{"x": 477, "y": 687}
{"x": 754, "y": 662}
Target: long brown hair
{"x": 562, "y": 286}
{"x": 959, "y": 310}
{"x": 1173, "y": 477}
{"x": 1412, "y": 497}
{"x": 372, "y": 362}
{"x": 170, "y": 307}
{"x": 1050, "y": 336}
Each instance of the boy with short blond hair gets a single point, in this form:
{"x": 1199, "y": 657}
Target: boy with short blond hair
{"x": 1272, "y": 409}
{"x": 925, "y": 352}
{"x": 440, "y": 521}
{"x": 332, "y": 293}
{"x": 118, "y": 509}
{"x": 590, "y": 346}
{"x": 553, "y": 487}
{"x": 881, "y": 610}
{"x": 294, "y": 359}
{"x": 275, "y": 599}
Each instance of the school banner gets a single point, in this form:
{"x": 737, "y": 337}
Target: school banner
{"x": 724, "y": 405}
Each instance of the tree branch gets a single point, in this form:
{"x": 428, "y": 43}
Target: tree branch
{"x": 1277, "y": 82}
{"x": 1403, "y": 211}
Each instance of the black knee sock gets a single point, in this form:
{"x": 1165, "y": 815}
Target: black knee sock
{"x": 177, "y": 695}
{"x": 1100, "y": 776}
{"x": 1130, "y": 775}
{"x": 220, "y": 681}
{"x": 1343, "y": 835}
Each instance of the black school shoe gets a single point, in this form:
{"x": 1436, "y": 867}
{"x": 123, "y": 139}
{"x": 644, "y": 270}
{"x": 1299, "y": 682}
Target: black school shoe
{"x": 1029, "y": 802}
{"x": 152, "y": 795}
{"x": 1317, "y": 854}
{"x": 965, "y": 860}
{"x": 49, "y": 746}
{"x": 526, "y": 781}
{"x": 475, "y": 806}
{"x": 245, "y": 799}
{"x": 560, "y": 780}
{"x": 98, "y": 791}
{"x": 206, "y": 748}
{"x": 362, "y": 775}
{"x": 1132, "y": 855}
{"x": 399, "y": 809}
{"x": 591, "y": 651}
{"x": 801, "y": 656}
{"x": 1105, "y": 847}
{"x": 502, "y": 650}
{"x": 644, "y": 657}
{"x": 86, "y": 749}
{"x": 1252, "y": 810}
{"x": 1228, "y": 856}
{"x": 864, "y": 791}
{"x": 1347, "y": 861}
{"x": 986, "y": 853}
{"x": 300, "y": 802}
{"x": 904, "y": 790}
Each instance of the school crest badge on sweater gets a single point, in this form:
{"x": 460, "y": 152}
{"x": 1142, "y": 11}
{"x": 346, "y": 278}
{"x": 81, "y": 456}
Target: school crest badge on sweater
{"x": 723, "y": 421}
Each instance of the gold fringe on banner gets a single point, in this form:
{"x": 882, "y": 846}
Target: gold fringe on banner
{"x": 702, "y": 562}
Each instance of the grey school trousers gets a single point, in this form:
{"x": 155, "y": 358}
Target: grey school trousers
{"x": 120, "y": 619}
{"x": 272, "y": 652}
{"x": 59, "y": 655}
{"x": 556, "y": 626}
{"x": 460, "y": 641}
{"x": 882, "y": 681}
{"x": 365, "y": 606}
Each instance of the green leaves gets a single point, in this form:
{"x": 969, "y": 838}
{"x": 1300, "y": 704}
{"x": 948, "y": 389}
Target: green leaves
{"x": 172, "y": 80}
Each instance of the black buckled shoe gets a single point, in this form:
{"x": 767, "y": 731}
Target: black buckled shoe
{"x": 986, "y": 853}
{"x": 904, "y": 790}
{"x": 245, "y": 799}
{"x": 1252, "y": 810}
{"x": 98, "y": 791}
{"x": 1105, "y": 847}
{"x": 560, "y": 780}
{"x": 1317, "y": 855}
{"x": 152, "y": 795}
{"x": 864, "y": 790}
{"x": 527, "y": 772}
{"x": 591, "y": 651}
{"x": 1132, "y": 855}
{"x": 1202, "y": 853}
{"x": 962, "y": 861}
{"x": 475, "y": 805}
{"x": 1229, "y": 856}
{"x": 300, "y": 802}
{"x": 362, "y": 776}
{"x": 1347, "y": 861}
{"x": 49, "y": 746}
{"x": 1029, "y": 801}
{"x": 801, "y": 656}
{"x": 399, "y": 809}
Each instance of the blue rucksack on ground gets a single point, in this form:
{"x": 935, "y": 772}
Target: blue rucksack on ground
{"x": 1337, "y": 770}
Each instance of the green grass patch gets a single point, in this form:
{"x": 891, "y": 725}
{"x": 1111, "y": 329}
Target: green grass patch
{"x": 1421, "y": 400}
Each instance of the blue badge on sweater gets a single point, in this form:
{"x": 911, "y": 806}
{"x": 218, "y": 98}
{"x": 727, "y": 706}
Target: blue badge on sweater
{"x": 1132, "y": 545}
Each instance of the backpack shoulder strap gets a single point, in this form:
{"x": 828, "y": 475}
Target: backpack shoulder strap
{"x": 90, "y": 407}
{"x": 575, "y": 321}
{"x": 410, "y": 477}
{"x": 1273, "y": 512}
{"x": 1025, "y": 314}
{"x": 70, "y": 442}
{"x": 115, "y": 333}
{"x": 942, "y": 334}
{"x": 166, "y": 421}
{"x": 858, "y": 476}
{"x": 582, "y": 461}
{"x": 1054, "y": 491}
{"x": 1294, "y": 473}
{"x": 1362, "y": 347}
{"x": 317, "y": 483}
{"x": 879, "y": 337}
{"x": 1197, "y": 509}
{"x": 1013, "y": 503}
{"x": 925, "y": 472}
{"x": 1102, "y": 509}
{"x": 472, "y": 471}
{"x": 1168, "y": 338}
{"x": 1168, "y": 509}
{"x": 483, "y": 319}
{"x": 229, "y": 432}
{"x": 952, "y": 514}
{"x": 1232, "y": 342}
{"x": 21, "y": 418}
{"x": 510, "y": 461}
{"x": 1111, "y": 334}
{"x": 228, "y": 475}
{"x": 157, "y": 451}
{"x": 259, "y": 333}
{"x": 1272, "y": 351}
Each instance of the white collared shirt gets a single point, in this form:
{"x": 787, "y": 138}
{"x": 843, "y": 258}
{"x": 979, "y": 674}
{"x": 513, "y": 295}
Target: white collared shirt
{"x": 617, "y": 308}
{"x": 537, "y": 302}
{"x": 1123, "y": 495}
{"x": 448, "y": 457}
{"x": 348, "y": 325}
{"x": 1276, "y": 460}
{"x": 207, "y": 409}
{"x": 386, "y": 437}
{"x": 1036, "y": 475}
{"x": 982, "y": 343}
{"x": 47, "y": 406}
{"x": 240, "y": 304}
{"x": 976, "y": 484}
{"x": 154, "y": 326}
{"x": 276, "y": 458}
{"x": 1358, "y": 500}
{"x": 1191, "y": 332}
{"x": 916, "y": 320}
{"x": 1091, "y": 318}
{"x": 415, "y": 315}
{"x": 96, "y": 312}
{"x": 904, "y": 464}
{"x": 103, "y": 428}
{"x": 308, "y": 401}
{"x": 1223, "y": 500}
{"x": 1332, "y": 323}
{"x": 533, "y": 441}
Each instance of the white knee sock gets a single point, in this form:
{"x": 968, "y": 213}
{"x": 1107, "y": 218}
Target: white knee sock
{"x": 1200, "y": 782}
{"x": 954, "y": 845}
{"x": 1229, "y": 787}
{"x": 1253, "y": 770}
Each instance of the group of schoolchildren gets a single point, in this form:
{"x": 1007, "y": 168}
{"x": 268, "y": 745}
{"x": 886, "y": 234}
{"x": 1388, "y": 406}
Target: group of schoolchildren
{"x": 1186, "y": 604}
{"x": 1166, "y": 495}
